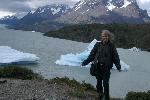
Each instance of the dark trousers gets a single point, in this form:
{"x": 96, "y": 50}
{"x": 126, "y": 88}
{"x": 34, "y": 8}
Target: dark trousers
{"x": 103, "y": 81}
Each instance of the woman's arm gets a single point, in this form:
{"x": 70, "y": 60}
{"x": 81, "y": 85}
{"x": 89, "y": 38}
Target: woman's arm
{"x": 92, "y": 55}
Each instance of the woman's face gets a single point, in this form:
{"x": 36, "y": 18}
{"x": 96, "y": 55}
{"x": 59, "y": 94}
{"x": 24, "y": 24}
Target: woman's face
{"x": 104, "y": 37}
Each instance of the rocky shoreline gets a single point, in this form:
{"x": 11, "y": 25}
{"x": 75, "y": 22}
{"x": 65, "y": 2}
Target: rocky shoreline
{"x": 17, "y": 89}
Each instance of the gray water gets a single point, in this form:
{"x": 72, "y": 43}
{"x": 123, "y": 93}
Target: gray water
{"x": 48, "y": 50}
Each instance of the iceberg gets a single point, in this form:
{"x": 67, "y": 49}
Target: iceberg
{"x": 76, "y": 59}
{"x": 12, "y": 56}
{"x": 32, "y": 31}
{"x": 135, "y": 49}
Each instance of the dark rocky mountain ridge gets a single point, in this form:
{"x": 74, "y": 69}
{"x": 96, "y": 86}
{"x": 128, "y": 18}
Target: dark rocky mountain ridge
{"x": 104, "y": 12}
{"x": 52, "y": 17}
{"x": 48, "y": 12}
{"x": 9, "y": 20}
{"x": 42, "y": 19}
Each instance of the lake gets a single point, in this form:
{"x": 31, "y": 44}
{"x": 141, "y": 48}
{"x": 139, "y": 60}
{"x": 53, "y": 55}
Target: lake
{"x": 48, "y": 50}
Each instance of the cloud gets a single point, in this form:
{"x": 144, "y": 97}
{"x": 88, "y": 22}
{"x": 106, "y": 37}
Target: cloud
{"x": 37, "y": 3}
{"x": 23, "y": 6}
{"x": 144, "y": 4}
{"x": 2, "y": 14}
{"x": 26, "y": 5}
{"x": 144, "y": 1}
{"x": 14, "y": 6}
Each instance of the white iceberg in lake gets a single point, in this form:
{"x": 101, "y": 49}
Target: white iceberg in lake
{"x": 32, "y": 31}
{"x": 134, "y": 49}
{"x": 78, "y": 58}
{"x": 11, "y": 56}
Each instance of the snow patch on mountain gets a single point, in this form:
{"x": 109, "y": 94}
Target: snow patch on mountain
{"x": 55, "y": 10}
{"x": 32, "y": 12}
{"x": 8, "y": 17}
{"x": 110, "y": 6}
{"x": 126, "y": 3}
{"x": 82, "y": 2}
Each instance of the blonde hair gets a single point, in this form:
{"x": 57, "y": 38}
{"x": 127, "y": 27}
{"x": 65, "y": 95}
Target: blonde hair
{"x": 110, "y": 35}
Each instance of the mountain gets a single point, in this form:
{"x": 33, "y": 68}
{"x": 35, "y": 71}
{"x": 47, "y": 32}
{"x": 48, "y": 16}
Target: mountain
{"x": 42, "y": 19}
{"x": 48, "y": 12}
{"x": 9, "y": 20}
{"x": 104, "y": 12}
{"x": 53, "y": 17}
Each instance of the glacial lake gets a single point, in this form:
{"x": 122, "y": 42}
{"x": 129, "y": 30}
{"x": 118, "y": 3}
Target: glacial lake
{"x": 49, "y": 50}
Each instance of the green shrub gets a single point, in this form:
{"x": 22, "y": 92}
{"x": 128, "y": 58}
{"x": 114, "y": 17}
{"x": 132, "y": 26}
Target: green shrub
{"x": 138, "y": 96}
{"x": 73, "y": 83}
{"x": 79, "y": 88}
{"x": 18, "y": 72}
{"x": 88, "y": 86}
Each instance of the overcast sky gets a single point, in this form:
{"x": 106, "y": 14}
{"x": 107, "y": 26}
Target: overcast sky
{"x": 9, "y": 7}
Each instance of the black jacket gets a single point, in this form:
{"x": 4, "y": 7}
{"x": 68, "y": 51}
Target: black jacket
{"x": 106, "y": 54}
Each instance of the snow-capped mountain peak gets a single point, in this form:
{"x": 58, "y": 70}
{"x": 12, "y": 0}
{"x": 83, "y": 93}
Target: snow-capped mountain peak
{"x": 105, "y": 11}
{"x": 9, "y": 20}
{"x": 79, "y": 4}
{"x": 31, "y": 12}
{"x": 117, "y": 4}
{"x": 87, "y": 3}
{"x": 110, "y": 6}
{"x": 48, "y": 12}
{"x": 126, "y": 3}
{"x": 8, "y": 17}
{"x": 53, "y": 9}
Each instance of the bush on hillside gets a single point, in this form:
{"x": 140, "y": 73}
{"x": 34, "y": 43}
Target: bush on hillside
{"x": 79, "y": 88}
{"x": 18, "y": 73}
{"x": 138, "y": 96}
{"x": 73, "y": 83}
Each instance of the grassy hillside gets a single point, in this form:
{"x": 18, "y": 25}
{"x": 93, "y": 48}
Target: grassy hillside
{"x": 17, "y": 82}
{"x": 126, "y": 36}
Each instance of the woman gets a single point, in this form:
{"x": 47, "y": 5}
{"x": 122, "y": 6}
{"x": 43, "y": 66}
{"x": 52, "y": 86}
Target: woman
{"x": 106, "y": 54}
